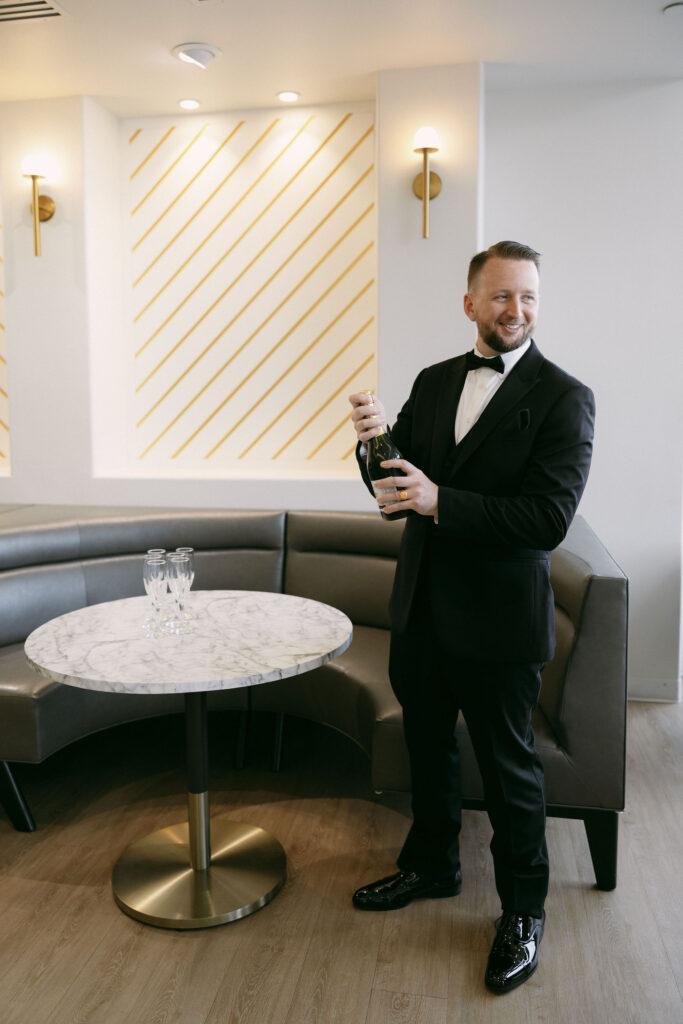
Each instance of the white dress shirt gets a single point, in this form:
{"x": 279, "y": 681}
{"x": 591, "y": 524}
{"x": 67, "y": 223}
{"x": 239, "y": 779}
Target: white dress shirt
{"x": 480, "y": 387}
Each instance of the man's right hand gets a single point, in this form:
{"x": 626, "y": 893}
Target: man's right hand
{"x": 368, "y": 417}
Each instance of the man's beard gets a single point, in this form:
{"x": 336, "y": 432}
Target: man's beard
{"x": 498, "y": 344}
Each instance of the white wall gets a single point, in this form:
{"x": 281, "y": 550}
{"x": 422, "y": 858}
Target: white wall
{"x": 103, "y": 225}
{"x": 422, "y": 280}
{"x": 591, "y": 177}
{"x": 45, "y": 307}
{"x": 64, "y": 310}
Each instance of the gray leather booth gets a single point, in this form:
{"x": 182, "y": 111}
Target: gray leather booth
{"x": 55, "y": 559}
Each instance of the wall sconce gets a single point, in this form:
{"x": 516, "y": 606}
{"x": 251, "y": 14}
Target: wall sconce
{"x": 426, "y": 141}
{"x": 42, "y": 207}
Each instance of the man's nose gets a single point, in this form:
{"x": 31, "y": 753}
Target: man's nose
{"x": 514, "y": 308}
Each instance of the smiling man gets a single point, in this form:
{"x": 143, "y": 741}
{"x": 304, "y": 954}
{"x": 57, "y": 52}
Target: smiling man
{"x": 497, "y": 446}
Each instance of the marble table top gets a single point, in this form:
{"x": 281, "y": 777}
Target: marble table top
{"x": 238, "y": 638}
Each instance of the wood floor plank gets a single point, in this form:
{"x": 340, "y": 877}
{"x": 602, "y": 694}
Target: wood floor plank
{"x": 655, "y": 830}
{"x": 69, "y": 956}
{"x": 405, "y": 1008}
{"x": 415, "y": 950}
{"x": 335, "y": 981}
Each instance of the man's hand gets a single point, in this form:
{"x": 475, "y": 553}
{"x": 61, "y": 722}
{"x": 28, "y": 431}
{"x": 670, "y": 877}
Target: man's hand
{"x": 421, "y": 494}
{"x": 368, "y": 416}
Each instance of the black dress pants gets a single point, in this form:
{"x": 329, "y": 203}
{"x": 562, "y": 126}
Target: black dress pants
{"x": 496, "y": 699}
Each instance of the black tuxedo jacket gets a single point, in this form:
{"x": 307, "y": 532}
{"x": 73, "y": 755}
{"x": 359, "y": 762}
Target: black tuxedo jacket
{"x": 507, "y": 494}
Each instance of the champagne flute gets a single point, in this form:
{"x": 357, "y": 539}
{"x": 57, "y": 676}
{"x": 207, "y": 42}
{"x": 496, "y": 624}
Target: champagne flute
{"x": 154, "y": 579}
{"x": 190, "y": 553}
{"x": 178, "y": 574}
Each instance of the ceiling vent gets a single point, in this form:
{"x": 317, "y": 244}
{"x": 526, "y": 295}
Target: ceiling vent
{"x": 27, "y": 10}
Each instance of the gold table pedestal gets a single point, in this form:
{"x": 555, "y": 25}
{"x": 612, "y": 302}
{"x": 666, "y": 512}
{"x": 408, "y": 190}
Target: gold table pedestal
{"x": 154, "y": 880}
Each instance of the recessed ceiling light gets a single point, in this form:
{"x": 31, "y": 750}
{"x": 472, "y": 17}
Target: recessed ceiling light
{"x": 199, "y": 54}
{"x": 288, "y": 97}
{"x": 189, "y": 104}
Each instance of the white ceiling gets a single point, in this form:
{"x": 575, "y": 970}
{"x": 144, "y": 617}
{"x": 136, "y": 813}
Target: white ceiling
{"x": 119, "y": 51}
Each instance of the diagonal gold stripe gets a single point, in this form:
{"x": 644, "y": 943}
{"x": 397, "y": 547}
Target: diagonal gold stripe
{"x": 242, "y": 310}
{"x": 2, "y": 327}
{"x": 264, "y": 322}
{"x": 350, "y": 451}
{"x": 278, "y": 381}
{"x": 134, "y": 136}
{"x": 269, "y": 243}
{"x": 248, "y": 340}
{"x": 259, "y": 291}
{"x": 184, "y": 190}
{"x": 3, "y": 393}
{"x": 4, "y": 426}
{"x": 344, "y": 423}
{"x": 166, "y": 173}
{"x": 152, "y": 152}
{"x": 213, "y": 232}
{"x": 296, "y": 398}
{"x": 3, "y": 361}
{"x": 324, "y": 406}
{"x": 232, "y": 247}
{"x": 2, "y": 455}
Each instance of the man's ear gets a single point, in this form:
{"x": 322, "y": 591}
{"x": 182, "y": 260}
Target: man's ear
{"x": 468, "y": 306}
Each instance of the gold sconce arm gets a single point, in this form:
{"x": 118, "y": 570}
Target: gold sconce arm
{"x": 42, "y": 209}
{"x": 427, "y": 184}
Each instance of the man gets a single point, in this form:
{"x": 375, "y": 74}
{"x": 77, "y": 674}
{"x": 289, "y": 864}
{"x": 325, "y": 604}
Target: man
{"x": 497, "y": 446}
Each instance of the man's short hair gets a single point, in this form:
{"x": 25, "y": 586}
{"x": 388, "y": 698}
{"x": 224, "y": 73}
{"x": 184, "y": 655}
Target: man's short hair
{"x": 506, "y": 251}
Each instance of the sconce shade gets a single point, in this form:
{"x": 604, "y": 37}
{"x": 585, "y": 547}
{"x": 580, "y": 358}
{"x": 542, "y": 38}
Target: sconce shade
{"x": 426, "y": 138}
{"x": 38, "y": 165}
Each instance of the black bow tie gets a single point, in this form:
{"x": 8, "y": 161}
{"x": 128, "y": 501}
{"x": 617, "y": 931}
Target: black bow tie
{"x": 473, "y": 362}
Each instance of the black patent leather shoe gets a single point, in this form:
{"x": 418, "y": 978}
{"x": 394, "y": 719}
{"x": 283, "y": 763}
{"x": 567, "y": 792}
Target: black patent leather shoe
{"x": 400, "y": 889}
{"x": 514, "y": 954}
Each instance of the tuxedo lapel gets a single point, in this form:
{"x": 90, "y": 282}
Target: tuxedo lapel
{"x": 520, "y": 381}
{"x": 447, "y": 400}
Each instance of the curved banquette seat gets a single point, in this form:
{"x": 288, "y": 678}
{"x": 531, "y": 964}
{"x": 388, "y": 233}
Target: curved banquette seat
{"x": 54, "y": 559}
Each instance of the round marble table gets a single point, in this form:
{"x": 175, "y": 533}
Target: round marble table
{"x": 192, "y": 875}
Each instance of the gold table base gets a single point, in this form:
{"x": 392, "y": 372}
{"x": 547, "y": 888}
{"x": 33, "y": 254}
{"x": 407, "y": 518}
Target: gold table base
{"x": 153, "y": 879}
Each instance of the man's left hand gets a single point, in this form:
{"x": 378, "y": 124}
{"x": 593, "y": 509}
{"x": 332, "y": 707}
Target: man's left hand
{"x": 422, "y": 495}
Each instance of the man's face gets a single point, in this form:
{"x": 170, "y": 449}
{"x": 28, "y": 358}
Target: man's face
{"x": 503, "y": 302}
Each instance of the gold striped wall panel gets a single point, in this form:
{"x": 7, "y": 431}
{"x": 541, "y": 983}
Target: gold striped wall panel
{"x": 251, "y": 256}
{"x": 4, "y": 398}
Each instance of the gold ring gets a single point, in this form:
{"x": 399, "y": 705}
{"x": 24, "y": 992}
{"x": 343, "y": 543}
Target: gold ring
{"x": 403, "y": 494}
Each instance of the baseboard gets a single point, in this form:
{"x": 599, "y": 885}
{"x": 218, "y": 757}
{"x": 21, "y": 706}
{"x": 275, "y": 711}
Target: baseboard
{"x": 666, "y": 691}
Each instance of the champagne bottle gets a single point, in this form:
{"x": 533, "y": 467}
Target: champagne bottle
{"x": 380, "y": 448}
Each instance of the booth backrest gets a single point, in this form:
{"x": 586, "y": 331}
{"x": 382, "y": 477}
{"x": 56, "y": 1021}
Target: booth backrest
{"x": 570, "y": 576}
{"x": 54, "y": 559}
{"x": 344, "y": 559}
{"x": 348, "y": 560}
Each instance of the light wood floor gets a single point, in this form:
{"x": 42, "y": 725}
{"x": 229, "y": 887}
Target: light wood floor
{"x": 67, "y": 954}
